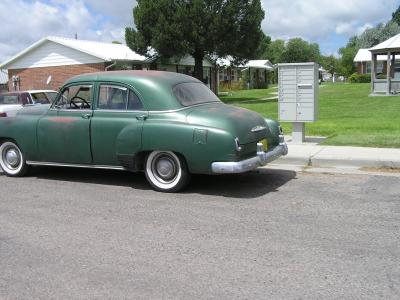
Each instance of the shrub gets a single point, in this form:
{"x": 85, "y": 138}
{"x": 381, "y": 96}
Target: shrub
{"x": 360, "y": 78}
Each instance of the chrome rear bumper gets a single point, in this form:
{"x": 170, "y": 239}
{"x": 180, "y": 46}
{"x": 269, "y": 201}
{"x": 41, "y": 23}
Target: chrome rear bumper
{"x": 261, "y": 159}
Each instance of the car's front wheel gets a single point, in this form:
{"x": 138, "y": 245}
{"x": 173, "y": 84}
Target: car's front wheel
{"x": 166, "y": 171}
{"x": 12, "y": 161}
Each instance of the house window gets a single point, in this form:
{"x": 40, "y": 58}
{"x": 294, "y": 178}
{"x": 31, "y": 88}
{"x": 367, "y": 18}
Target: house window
{"x": 368, "y": 67}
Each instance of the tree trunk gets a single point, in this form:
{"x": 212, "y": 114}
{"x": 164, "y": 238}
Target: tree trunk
{"x": 198, "y": 65}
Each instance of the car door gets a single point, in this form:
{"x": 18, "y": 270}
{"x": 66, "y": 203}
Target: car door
{"x": 63, "y": 133}
{"x": 116, "y": 126}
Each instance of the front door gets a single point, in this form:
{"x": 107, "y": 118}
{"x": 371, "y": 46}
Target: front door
{"x": 64, "y": 132}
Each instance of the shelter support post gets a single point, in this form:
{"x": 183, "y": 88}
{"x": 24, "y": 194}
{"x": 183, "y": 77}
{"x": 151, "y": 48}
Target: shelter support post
{"x": 392, "y": 64}
{"x": 373, "y": 72}
{"x": 388, "y": 72}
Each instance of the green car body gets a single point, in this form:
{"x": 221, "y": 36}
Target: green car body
{"x": 209, "y": 137}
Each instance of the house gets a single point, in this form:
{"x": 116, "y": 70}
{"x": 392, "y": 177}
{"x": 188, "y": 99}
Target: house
{"x": 363, "y": 62}
{"x": 3, "y": 81}
{"x": 254, "y": 73}
{"x": 49, "y": 62}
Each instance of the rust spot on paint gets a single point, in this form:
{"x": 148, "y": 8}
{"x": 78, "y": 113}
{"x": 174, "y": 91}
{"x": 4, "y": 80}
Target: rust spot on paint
{"x": 64, "y": 120}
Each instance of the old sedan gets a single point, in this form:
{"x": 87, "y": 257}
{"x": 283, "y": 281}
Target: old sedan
{"x": 168, "y": 125}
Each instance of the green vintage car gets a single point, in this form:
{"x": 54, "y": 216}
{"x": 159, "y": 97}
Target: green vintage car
{"x": 166, "y": 124}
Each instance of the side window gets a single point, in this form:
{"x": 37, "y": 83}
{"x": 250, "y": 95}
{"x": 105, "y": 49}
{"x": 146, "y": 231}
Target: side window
{"x": 76, "y": 97}
{"x": 118, "y": 98}
{"x": 113, "y": 97}
{"x": 134, "y": 102}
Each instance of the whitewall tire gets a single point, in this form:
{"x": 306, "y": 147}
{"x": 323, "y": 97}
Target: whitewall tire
{"x": 12, "y": 161}
{"x": 166, "y": 171}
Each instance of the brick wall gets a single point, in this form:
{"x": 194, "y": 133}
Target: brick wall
{"x": 35, "y": 78}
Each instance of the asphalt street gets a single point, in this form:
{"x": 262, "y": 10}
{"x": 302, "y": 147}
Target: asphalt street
{"x": 271, "y": 234}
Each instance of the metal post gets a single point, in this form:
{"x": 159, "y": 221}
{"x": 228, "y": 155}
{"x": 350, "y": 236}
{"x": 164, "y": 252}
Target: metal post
{"x": 298, "y": 133}
{"x": 249, "y": 79}
{"x": 392, "y": 65}
{"x": 373, "y": 71}
{"x": 388, "y": 67}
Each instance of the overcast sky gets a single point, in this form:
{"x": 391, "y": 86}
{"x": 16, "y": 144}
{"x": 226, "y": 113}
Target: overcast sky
{"x": 327, "y": 22}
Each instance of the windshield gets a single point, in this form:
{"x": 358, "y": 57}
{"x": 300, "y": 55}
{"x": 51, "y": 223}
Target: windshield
{"x": 192, "y": 93}
{"x": 9, "y": 99}
{"x": 51, "y": 96}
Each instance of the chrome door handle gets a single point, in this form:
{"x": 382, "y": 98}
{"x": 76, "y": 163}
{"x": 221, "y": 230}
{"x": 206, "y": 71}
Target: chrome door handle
{"x": 141, "y": 117}
{"x": 86, "y": 116}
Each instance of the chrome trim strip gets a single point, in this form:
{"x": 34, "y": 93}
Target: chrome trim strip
{"x": 70, "y": 110}
{"x": 42, "y": 163}
{"x": 119, "y": 111}
{"x": 258, "y": 128}
{"x": 183, "y": 108}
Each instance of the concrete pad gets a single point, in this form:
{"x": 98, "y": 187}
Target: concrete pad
{"x": 330, "y": 156}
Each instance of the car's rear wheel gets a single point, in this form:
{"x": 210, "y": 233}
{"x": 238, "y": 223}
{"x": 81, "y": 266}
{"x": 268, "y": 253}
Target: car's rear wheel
{"x": 166, "y": 171}
{"x": 12, "y": 161}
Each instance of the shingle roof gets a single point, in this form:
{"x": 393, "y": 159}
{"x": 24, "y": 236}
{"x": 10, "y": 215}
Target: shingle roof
{"x": 257, "y": 63}
{"x": 104, "y": 51}
{"x": 364, "y": 55}
{"x": 392, "y": 43}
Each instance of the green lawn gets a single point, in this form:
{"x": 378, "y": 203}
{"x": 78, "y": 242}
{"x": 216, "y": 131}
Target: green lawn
{"x": 347, "y": 116}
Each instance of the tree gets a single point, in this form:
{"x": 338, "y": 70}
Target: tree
{"x": 197, "y": 27}
{"x": 373, "y": 36}
{"x": 263, "y": 46}
{"x": 346, "y": 62}
{"x": 396, "y": 16}
{"x": 275, "y": 51}
{"x": 298, "y": 50}
{"x": 330, "y": 64}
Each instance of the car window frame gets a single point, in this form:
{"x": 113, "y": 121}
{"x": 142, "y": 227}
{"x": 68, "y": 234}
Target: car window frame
{"x": 62, "y": 89}
{"x": 122, "y": 85}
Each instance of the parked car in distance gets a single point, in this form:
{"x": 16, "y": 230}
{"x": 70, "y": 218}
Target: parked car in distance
{"x": 11, "y": 102}
{"x": 168, "y": 125}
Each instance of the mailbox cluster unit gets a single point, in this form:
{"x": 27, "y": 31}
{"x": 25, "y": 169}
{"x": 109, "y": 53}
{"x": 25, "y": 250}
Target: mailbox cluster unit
{"x": 298, "y": 92}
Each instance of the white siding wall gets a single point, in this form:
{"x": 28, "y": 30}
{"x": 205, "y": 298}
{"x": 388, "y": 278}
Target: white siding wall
{"x": 53, "y": 54}
{"x": 189, "y": 61}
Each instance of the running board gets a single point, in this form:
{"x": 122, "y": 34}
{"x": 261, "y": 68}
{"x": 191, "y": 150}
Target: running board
{"x": 53, "y": 164}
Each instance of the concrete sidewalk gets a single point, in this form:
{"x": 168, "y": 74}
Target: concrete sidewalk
{"x": 315, "y": 155}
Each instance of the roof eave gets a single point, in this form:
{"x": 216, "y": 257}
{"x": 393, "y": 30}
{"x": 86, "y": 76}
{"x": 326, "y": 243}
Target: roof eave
{"x": 23, "y": 52}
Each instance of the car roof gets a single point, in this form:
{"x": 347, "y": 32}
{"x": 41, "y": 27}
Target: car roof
{"x": 155, "y": 87}
{"x": 27, "y": 91}
{"x": 41, "y": 91}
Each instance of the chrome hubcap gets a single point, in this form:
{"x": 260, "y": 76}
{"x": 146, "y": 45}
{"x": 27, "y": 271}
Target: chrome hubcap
{"x": 164, "y": 168}
{"x": 12, "y": 158}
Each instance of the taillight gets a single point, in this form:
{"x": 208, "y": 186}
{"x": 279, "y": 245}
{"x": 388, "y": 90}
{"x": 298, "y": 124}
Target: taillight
{"x": 3, "y": 114}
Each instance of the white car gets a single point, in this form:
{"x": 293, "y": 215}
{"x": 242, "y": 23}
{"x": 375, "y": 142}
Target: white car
{"x": 11, "y": 102}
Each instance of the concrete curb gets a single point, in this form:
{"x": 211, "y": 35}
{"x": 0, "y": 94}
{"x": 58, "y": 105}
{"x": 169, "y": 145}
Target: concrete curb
{"x": 338, "y": 156}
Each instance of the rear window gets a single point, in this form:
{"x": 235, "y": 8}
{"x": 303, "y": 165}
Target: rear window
{"x": 9, "y": 99}
{"x": 192, "y": 93}
{"x": 40, "y": 98}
